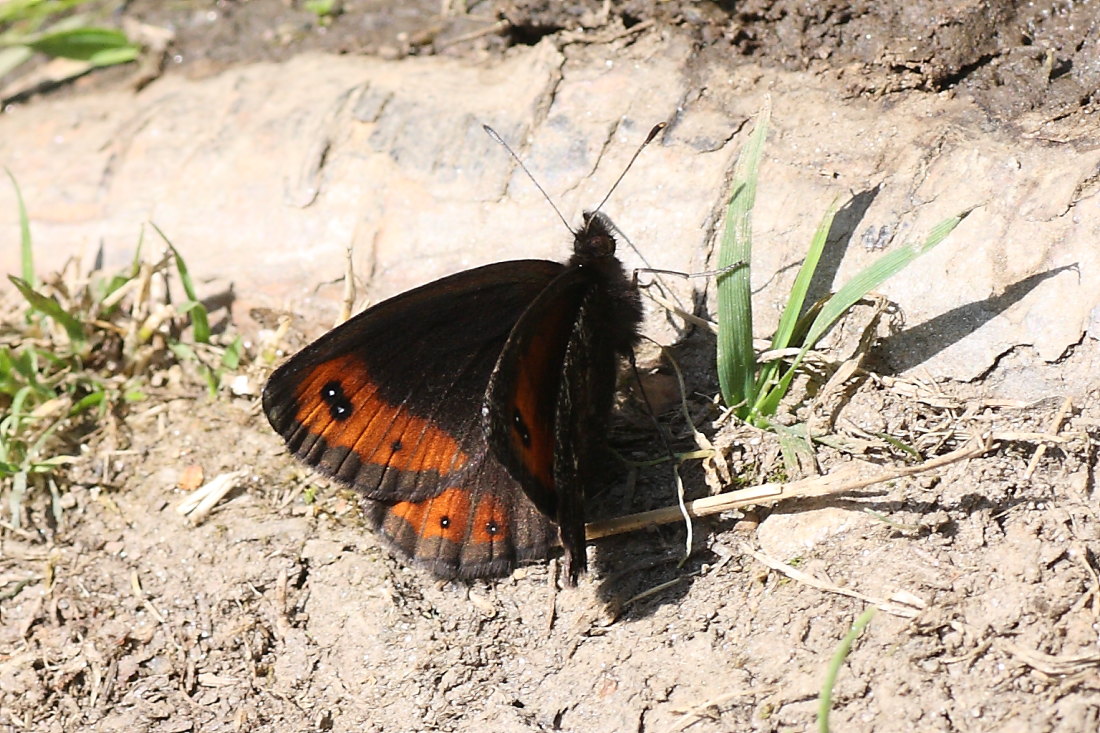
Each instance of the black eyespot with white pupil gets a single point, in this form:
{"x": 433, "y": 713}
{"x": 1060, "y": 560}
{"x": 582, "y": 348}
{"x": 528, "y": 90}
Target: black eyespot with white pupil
{"x": 521, "y": 428}
{"x": 444, "y": 522}
{"x": 339, "y": 407}
{"x": 492, "y": 527}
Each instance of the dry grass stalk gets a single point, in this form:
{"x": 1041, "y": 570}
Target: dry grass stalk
{"x": 840, "y": 481}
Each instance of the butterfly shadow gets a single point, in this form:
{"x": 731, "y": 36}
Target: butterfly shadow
{"x": 642, "y": 570}
{"x": 645, "y": 570}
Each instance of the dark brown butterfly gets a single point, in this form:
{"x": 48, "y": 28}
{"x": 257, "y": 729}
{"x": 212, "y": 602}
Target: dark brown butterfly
{"x": 466, "y": 411}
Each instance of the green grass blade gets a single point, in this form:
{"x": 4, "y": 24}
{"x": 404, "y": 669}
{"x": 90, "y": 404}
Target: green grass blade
{"x": 183, "y": 352}
{"x": 789, "y": 321}
{"x": 15, "y": 498}
{"x": 795, "y": 446}
{"x": 801, "y": 286}
{"x": 25, "y": 365}
{"x": 15, "y": 410}
{"x": 33, "y": 13}
{"x": 874, "y": 275}
{"x": 14, "y": 10}
{"x": 94, "y": 399}
{"x": 12, "y": 57}
{"x": 901, "y": 446}
{"x": 735, "y": 359}
{"x": 8, "y": 383}
{"x": 231, "y": 359}
{"x": 49, "y": 306}
{"x": 825, "y": 697}
{"x": 321, "y": 8}
{"x": 199, "y": 319}
{"x": 114, "y": 56}
{"x": 26, "y": 252}
{"x": 850, "y": 293}
{"x": 85, "y": 44}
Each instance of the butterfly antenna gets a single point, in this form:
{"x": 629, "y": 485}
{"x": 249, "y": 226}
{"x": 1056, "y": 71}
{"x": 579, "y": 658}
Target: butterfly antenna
{"x": 649, "y": 138}
{"x": 493, "y": 134}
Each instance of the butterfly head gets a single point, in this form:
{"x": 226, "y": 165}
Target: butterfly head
{"x": 595, "y": 240}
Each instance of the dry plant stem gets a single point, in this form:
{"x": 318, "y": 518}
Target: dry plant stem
{"x": 909, "y": 608}
{"x": 1092, "y": 595}
{"x": 202, "y": 500}
{"x": 1055, "y": 426}
{"x": 839, "y": 481}
{"x": 652, "y": 591}
{"x": 681, "y": 505}
{"x": 710, "y": 708}
{"x": 700, "y": 440}
{"x": 588, "y": 38}
{"x": 680, "y": 312}
{"x": 1049, "y": 664}
{"x": 348, "y": 305}
{"x": 499, "y": 27}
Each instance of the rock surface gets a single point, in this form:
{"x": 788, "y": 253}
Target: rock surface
{"x": 263, "y": 175}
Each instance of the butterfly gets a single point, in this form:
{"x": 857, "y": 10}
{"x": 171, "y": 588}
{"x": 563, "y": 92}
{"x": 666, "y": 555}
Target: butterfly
{"x": 466, "y": 411}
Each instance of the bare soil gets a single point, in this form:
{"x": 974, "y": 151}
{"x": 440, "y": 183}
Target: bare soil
{"x": 283, "y": 612}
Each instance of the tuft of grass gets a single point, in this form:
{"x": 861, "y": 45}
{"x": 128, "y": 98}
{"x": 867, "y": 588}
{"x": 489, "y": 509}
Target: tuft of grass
{"x": 75, "y": 350}
{"x": 752, "y": 389}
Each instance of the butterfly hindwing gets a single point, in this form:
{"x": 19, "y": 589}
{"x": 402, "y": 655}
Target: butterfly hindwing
{"x": 480, "y": 527}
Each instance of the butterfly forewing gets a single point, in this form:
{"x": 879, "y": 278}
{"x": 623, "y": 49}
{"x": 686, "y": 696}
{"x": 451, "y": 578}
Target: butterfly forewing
{"x": 521, "y": 402}
{"x": 548, "y": 398}
{"x": 387, "y": 402}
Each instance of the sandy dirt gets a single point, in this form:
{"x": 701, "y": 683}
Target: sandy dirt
{"x": 283, "y": 612}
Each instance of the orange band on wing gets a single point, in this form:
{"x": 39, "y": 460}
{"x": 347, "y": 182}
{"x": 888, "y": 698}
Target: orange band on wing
{"x": 537, "y": 374}
{"x": 380, "y": 433}
{"x": 538, "y": 451}
{"x": 445, "y": 516}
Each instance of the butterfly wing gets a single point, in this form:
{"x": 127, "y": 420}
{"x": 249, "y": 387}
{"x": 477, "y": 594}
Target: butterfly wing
{"x": 542, "y": 403}
{"x": 389, "y": 404}
{"x": 388, "y": 401}
{"x": 550, "y": 393}
{"x": 521, "y": 402}
{"x": 468, "y": 533}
